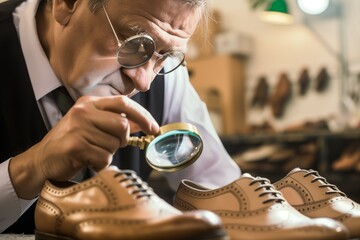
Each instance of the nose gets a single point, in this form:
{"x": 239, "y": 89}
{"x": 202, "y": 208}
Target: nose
{"x": 141, "y": 76}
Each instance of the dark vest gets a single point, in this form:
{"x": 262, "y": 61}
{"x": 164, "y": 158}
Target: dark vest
{"x": 21, "y": 124}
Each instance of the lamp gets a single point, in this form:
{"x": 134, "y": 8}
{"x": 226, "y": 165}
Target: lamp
{"x": 313, "y": 7}
{"x": 277, "y": 12}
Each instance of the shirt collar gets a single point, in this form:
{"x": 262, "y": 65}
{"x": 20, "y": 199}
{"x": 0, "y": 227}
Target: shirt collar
{"x": 43, "y": 78}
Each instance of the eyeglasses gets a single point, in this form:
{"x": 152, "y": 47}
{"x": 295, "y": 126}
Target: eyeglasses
{"x": 137, "y": 50}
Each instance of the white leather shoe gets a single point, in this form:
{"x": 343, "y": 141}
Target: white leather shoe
{"x": 252, "y": 209}
{"x": 314, "y": 197}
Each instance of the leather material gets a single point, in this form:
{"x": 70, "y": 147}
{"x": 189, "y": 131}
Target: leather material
{"x": 116, "y": 204}
{"x": 314, "y": 197}
{"x": 251, "y": 208}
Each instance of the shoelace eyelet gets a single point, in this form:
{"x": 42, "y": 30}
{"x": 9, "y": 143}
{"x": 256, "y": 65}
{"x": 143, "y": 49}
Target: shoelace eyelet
{"x": 143, "y": 189}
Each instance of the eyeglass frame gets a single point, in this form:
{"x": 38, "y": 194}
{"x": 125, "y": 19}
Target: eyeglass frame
{"x": 159, "y": 56}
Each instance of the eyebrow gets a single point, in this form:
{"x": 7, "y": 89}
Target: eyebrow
{"x": 137, "y": 30}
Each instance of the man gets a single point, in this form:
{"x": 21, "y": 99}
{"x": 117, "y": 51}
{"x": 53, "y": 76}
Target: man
{"x": 84, "y": 46}
{"x": 103, "y": 52}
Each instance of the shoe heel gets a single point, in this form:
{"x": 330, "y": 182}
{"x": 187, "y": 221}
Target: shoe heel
{"x": 46, "y": 236}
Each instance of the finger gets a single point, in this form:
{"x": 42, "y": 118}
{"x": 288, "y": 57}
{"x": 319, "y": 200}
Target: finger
{"x": 112, "y": 130}
{"x": 107, "y": 126}
{"x": 95, "y": 126}
{"x": 133, "y": 111}
{"x": 134, "y": 128}
{"x": 108, "y": 141}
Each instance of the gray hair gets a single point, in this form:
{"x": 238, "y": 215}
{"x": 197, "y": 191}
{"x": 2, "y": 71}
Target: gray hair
{"x": 202, "y": 28}
{"x": 95, "y": 5}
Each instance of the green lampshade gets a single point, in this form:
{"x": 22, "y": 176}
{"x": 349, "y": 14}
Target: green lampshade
{"x": 277, "y": 12}
{"x": 278, "y": 6}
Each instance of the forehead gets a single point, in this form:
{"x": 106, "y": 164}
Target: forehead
{"x": 171, "y": 22}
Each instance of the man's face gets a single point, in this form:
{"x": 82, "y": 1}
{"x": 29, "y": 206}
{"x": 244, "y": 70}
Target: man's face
{"x": 83, "y": 55}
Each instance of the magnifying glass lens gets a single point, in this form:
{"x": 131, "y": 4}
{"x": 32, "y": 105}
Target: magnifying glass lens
{"x": 174, "y": 148}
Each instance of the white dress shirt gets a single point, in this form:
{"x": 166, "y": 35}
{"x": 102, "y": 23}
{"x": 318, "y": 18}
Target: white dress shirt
{"x": 214, "y": 168}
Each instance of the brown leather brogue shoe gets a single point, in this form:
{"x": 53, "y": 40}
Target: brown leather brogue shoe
{"x": 252, "y": 209}
{"x": 116, "y": 204}
{"x": 314, "y": 197}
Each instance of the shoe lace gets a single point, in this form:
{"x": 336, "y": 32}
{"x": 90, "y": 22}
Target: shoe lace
{"x": 268, "y": 190}
{"x": 333, "y": 189}
{"x": 142, "y": 189}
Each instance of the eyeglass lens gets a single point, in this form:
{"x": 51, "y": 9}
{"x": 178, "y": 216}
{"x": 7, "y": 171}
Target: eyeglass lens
{"x": 137, "y": 50}
{"x": 175, "y": 57}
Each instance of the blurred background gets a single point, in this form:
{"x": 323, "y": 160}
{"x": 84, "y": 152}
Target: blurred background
{"x": 281, "y": 80}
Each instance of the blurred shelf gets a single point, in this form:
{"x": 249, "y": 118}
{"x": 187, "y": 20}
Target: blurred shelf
{"x": 330, "y": 146}
{"x": 290, "y": 136}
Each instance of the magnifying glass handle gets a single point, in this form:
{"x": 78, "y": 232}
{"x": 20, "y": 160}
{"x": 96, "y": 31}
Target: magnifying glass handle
{"x": 141, "y": 142}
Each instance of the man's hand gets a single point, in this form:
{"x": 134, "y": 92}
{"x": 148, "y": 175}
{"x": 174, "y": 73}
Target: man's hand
{"x": 87, "y": 136}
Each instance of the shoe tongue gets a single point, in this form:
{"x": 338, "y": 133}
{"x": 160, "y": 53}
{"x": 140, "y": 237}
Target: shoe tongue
{"x": 115, "y": 171}
{"x": 295, "y": 170}
{"x": 128, "y": 180}
{"x": 112, "y": 168}
{"x": 260, "y": 191}
{"x": 247, "y": 175}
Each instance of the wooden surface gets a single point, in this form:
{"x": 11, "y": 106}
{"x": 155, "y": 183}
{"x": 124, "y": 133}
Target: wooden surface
{"x": 220, "y": 82}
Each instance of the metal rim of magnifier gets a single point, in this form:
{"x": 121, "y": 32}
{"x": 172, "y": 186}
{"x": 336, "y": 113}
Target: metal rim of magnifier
{"x": 184, "y": 127}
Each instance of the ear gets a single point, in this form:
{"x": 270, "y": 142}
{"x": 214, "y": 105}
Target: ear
{"x": 63, "y": 10}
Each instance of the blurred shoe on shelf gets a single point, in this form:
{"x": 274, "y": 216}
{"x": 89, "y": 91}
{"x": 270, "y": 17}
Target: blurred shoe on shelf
{"x": 313, "y": 196}
{"x": 255, "y": 159}
{"x": 116, "y": 204}
{"x": 282, "y": 94}
{"x": 305, "y": 157}
{"x": 301, "y": 161}
{"x": 322, "y": 80}
{"x": 252, "y": 209}
{"x": 258, "y": 153}
{"x": 348, "y": 159}
{"x": 304, "y": 82}
{"x": 308, "y": 148}
{"x": 261, "y": 93}
{"x": 308, "y": 126}
{"x": 265, "y": 127}
{"x": 282, "y": 155}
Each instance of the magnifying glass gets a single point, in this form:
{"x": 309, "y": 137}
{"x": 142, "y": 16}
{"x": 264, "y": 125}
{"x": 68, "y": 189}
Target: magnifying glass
{"x": 177, "y": 146}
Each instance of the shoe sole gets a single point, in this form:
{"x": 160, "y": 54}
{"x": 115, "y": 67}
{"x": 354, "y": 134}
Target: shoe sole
{"x": 218, "y": 235}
